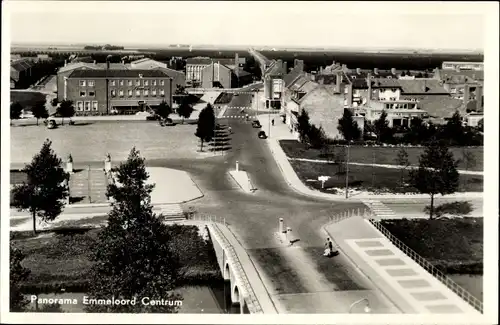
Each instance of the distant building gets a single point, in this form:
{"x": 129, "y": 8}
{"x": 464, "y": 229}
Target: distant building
{"x": 178, "y": 77}
{"x": 98, "y": 91}
{"x": 466, "y": 85}
{"x": 274, "y": 85}
{"x": 454, "y": 65}
{"x": 217, "y": 75}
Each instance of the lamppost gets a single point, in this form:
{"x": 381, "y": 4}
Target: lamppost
{"x": 367, "y": 308}
{"x": 347, "y": 171}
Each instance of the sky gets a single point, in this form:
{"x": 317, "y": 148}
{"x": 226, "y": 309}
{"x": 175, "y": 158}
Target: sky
{"x": 435, "y": 25}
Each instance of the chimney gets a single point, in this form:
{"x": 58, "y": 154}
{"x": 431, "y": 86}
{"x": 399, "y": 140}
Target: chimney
{"x": 95, "y": 62}
{"x": 338, "y": 81}
{"x": 65, "y": 62}
{"x": 320, "y": 70}
{"x": 393, "y": 71}
{"x": 333, "y": 63}
{"x": 369, "y": 82}
{"x": 107, "y": 64}
{"x": 285, "y": 67}
{"x": 375, "y": 70}
{"x": 358, "y": 70}
{"x": 236, "y": 60}
{"x": 344, "y": 67}
{"x": 299, "y": 64}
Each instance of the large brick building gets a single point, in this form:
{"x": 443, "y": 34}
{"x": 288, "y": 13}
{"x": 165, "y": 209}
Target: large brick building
{"x": 96, "y": 92}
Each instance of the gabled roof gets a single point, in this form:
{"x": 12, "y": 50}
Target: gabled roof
{"x": 275, "y": 69}
{"x": 422, "y": 86}
{"x": 385, "y": 83}
{"x": 442, "y": 107}
{"x": 315, "y": 88}
{"x": 101, "y": 66}
{"x": 291, "y": 76}
{"x": 299, "y": 82}
{"x": 117, "y": 74}
{"x": 471, "y": 74}
{"x": 22, "y": 64}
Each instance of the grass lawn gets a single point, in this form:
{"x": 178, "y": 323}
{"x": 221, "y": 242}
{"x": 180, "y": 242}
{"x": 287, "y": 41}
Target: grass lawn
{"x": 453, "y": 245}
{"x": 92, "y": 141}
{"x": 26, "y": 98}
{"x": 61, "y": 259}
{"x": 367, "y": 178}
{"x": 383, "y": 155}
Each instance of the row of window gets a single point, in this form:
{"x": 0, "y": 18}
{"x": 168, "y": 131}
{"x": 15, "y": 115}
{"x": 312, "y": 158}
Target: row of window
{"x": 87, "y": 106}
{"x": 138, "y": 92}
{"x": 138, "y": 82}
{"x": 400, "y": 106}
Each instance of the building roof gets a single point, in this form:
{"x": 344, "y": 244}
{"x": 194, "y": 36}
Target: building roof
{"x": 22, "y": 64}
{"x": 102, "y": 66}
{"x": 291, "y": 76}
{"x": 422, "y": 86}
{"x": 241, "y": 72}
{"x": 298, "y": 83}
{"x": 441, "y": 107}
{"x": 117, "y": 74}
{"x": 315, "y": 88}
{"x": 87, "y": 59}
{"x": 168, "y": 71}
{"x": 471, "y": 74}
{"x": 386, "y": 83}
{"x": 275, "y": 69}
{"x": 216, "y": 66}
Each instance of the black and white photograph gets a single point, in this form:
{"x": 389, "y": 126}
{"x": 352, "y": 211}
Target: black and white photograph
{"x": 249, "y": 162}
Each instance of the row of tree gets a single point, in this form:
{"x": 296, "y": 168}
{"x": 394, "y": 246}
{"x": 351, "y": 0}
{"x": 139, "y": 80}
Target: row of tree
{"x": 419, "y": 132}
{"x": 134, "y": 255}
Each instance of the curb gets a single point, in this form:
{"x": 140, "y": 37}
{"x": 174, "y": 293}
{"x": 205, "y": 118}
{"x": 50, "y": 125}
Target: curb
{"x": 241, "y": 187}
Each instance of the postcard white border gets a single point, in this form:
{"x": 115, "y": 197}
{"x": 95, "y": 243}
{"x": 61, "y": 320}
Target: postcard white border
{"x": 490, "y": 12}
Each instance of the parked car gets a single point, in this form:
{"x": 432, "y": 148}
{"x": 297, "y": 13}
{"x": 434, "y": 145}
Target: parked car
{"x": 262, "y": 135}
{"x": 256, "y": 124}
{"x": 51, "y": 124}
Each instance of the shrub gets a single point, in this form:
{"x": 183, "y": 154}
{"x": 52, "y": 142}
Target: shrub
{"x": 457, "y": 208}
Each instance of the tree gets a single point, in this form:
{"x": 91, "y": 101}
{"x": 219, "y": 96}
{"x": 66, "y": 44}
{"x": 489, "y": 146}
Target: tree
{"x": 469, "y": 161}
{"x": 184, "y": 110}
{"x": 316, "y": 138}
{"x": 133, "y": 256}
{"x": 66, "y": 109}
{"x": 46, "y": 188}
{"x": 348, "y": 127}
{"x": 382, "y": 128}
{"x": 164, "y": 110}
{"x": 206, "y": 125}
{"x": 480, "y": 125}
{"x": 303, "y": 125}
{"x": 436, "y": 173}
{"x": 15, "y": 111}
{"x": 454, "y": 132}
{"x": 39, "y": 110}
{"x": 18, "y": 273}
{"x": 402, "y": 160}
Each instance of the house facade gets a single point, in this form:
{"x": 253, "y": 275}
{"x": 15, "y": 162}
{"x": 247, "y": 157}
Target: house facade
{"x": 100, "y": 92}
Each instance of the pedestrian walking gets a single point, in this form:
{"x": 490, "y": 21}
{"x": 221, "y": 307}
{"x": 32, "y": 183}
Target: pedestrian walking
{"x": 328, "y": 248}
{"x": 272, "y": 122}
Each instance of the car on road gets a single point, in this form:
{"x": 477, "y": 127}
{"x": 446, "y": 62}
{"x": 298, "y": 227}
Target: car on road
{"x": 256, "y": 124}
{"x": 51, "y": 124}
{"x": 262, "y": 135}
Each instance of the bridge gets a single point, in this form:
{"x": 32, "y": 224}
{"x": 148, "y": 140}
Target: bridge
{"x": 420, "y": 289}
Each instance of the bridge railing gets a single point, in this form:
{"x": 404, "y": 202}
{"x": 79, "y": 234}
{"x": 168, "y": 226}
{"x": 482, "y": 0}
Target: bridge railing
{"x": 206, "y": 218}
{"x": 461, "y": 292}
{"x": 253, "y": 303}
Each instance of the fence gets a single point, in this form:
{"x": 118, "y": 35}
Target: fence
{"x": 348, "y": 214}
{"x": 252, "y": 302}
{"x": 461, "y": 292}
{"x": 190, "y": 215}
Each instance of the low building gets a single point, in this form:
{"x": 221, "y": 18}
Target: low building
{"x": 217, "y": 75}
{"x": 274, "y": 85}
{"x": 195, "y": 66}
{"x": 20, "y": 71}
{"x": 178, "y": 77}
{"x": 97, "y": 91}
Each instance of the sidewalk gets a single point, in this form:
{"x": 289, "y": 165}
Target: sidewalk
{"x": 401, "y": 279}
{"x": 281, "y": 132}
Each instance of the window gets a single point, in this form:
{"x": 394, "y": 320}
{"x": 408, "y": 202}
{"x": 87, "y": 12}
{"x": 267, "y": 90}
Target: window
{"x": 95, "y": 107}
{"x": 91, "y": 93}
{"x": 130, "y": 93}
{"x": 162, "y": 92}
{"x": 137, "y": 92}
{"x": 129, "y": 83}
{"x": 146, "y": 82}
{"x": 387, "y": 106}
{"x": 113, "y": 82}
{"x": 83, "y": 93}
{"x": 87, "y": 106}
{"x": 153, "y": 82}
{"x": 82, "y": 83}
{"x": 162, "y": 82}
{"x": 121, "y": 93}
{"x": 91, "y": 83}
{"x": 153, "y": 92}
{"x": 113, "y": 93}
{"x": 137, "y": 82}
{"x": 146, "y": 92}
{"x": 79, "y": 106}
{"x": 122, "y": 82}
